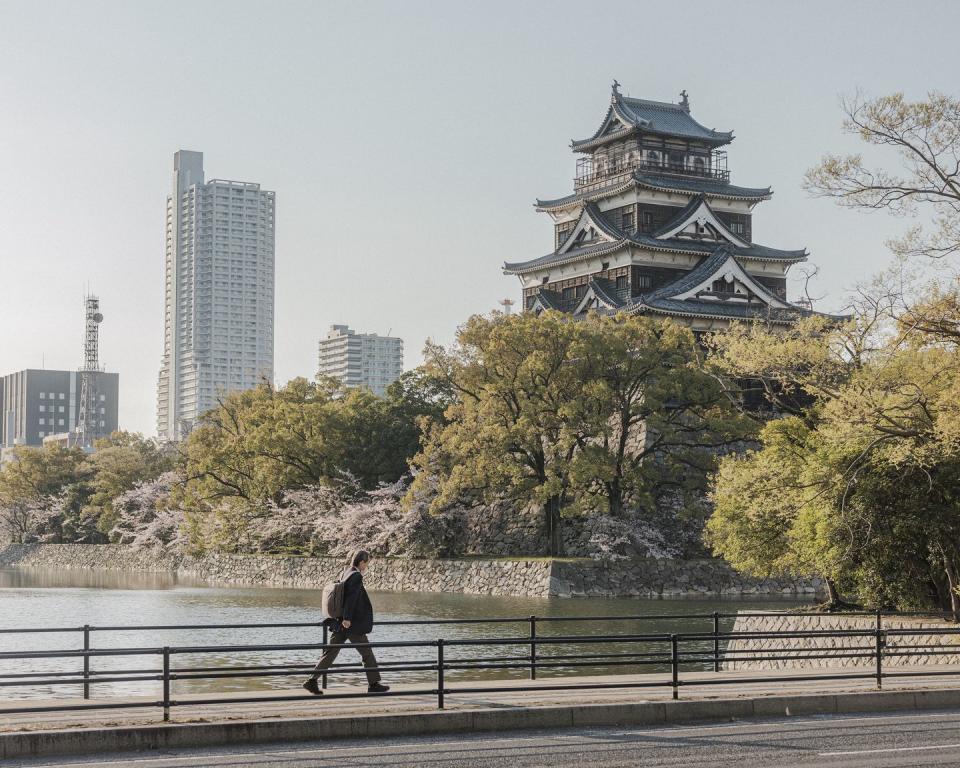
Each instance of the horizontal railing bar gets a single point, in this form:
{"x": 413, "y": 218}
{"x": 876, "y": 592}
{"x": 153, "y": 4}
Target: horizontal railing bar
{"x": 79, "y": 707}
{"x": 80, "y": 680}
{"x": 755, "y": 681}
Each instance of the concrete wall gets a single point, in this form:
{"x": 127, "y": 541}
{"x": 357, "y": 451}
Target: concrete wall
{"x": 530, "y": 577}
{"x": 947, "y": 646}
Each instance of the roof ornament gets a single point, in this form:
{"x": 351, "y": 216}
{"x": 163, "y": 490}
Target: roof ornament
{"x": 684, "y": 100}
{"x": 615, "y": 90}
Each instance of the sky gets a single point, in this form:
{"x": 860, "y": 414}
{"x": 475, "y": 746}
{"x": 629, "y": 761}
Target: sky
{"x": 406, "y": 143}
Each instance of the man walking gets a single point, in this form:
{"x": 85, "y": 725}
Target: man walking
{"x": 354, "y": 625}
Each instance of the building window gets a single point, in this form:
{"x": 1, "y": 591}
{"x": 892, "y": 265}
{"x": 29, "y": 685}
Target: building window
{"x": 103, "y": 398}
{"x": 60, "y": 422}
{"x": 699, "y": 165}
{"x": 545, "y": 280}
{"x": 628, "y": 222}
{"x": 43, "y": 395}
{"x": 41, "y": 434}
{"x": 62, "y": 396}
{"x": 43, "y": 421}
{"x": 653, "y": 158}
{"x": 738, "y": 228}
{"x": 566, "y": 294}
{"x": 605, "y": 266}
{"x": 43, "y": 408}
{"x": 61, "y": 409}
{"x": 721, "y": 286}
{"x": 581, "y": 290}
{"x": 646, "y": 219}
{"x": 621, "y": 282}
{"x": 644, "y": 281}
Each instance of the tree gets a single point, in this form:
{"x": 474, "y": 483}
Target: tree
{"x": 648, "y": 418}
{"x": 600, "y": 412}
{"x": 507, "y": 433}
{"x": 925, "y": 135}
{"x": 31, "y": 481}
{"x": 120, "y": 462}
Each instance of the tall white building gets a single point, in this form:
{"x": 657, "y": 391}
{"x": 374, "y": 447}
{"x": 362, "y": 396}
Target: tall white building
{"x": 361, "y": 359}
{"x": 218, "y": 330}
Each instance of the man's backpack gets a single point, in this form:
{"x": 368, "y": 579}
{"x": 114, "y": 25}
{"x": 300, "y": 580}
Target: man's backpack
{"x": 333, "y": 600}
{"x": 333, "y": 595}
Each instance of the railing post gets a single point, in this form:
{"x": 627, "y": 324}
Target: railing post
{"x": 533, "y": 648}
{"x": 86, "y": 661}
{"x": 716, "y": 641}
{"x": 166, "y": 684}
{"x": 440, "y": 680}
{"x": 323, "y": 677}
{"x": 675, "y": 666}
{"x": 879, "y": 651}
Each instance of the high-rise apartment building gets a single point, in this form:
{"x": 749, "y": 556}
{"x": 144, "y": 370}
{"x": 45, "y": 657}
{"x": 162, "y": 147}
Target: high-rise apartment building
{"x": 36, "y": 404}
{"x": 361, "y": 359}
{"x": 218, "y": 329}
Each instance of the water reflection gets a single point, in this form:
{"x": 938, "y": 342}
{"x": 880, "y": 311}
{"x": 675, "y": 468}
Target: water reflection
{"x": 32, "y": 597}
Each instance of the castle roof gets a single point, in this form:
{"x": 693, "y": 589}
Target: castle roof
{"x": 627, "y": 115}
{"x": 614, "y": 239}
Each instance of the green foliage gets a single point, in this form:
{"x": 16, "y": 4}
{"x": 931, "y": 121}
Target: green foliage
{"x": 258, "y": 444}
{"x": 861, "y": 486}
{"x": 585, "y": 414}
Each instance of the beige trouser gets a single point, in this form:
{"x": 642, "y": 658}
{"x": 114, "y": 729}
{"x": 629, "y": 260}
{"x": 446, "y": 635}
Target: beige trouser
{"x": 338, "y": 639}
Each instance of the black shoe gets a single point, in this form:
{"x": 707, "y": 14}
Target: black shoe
{"x": 311, "y": 685}
{"x": 378, "y": 688}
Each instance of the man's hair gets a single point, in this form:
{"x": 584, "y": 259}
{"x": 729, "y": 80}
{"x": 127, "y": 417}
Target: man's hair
{"x": 356, "y": 557}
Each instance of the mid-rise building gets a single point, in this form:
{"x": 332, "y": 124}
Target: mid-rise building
{"x": 654, "y": 226}
{"x": 361, "y": 359}
{"x": 219, "y": 309}
{"x": 37, "y": 404}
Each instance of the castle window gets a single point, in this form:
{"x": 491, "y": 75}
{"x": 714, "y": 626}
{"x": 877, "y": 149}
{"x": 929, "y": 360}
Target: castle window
{"x": 566, "y": 294}
{"x": 644, "y": 281}
{"x": 647, "y": 221}
{"x": 627, "y": 222}
{"x": 621, "y": 282}
{"x": 721, "y": 286}
{"x": 545, "y": 279}
{"x": 699, "y": 165}
{"x": 581, "y": 290}
{"x": 653, "y": 158}
{"x": 605, "y": 266}
{"x": 738, "y": 228}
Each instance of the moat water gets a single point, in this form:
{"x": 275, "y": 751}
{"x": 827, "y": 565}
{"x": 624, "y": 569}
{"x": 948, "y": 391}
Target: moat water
{"x": 40, "y": 598}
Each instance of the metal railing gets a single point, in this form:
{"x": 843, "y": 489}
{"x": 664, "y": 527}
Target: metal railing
{"x": 670, "y": 653}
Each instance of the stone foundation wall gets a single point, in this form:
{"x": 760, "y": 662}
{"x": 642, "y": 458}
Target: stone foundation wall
{"x": 805, "y": 647}
{"x": 530, "y": 577}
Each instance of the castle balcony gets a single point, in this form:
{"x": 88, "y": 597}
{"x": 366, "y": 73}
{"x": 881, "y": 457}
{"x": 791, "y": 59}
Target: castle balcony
{"x": 599, "y": 171}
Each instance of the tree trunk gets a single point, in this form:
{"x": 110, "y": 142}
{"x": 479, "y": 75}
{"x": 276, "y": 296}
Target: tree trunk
{"x": 614, "y": 498}
{"x": 952, "y": 583}
{"x": 554, "y": 530}
{"x": 833, "y": 596}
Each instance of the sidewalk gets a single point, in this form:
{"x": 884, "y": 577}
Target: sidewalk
{"x": 702, "y": 696}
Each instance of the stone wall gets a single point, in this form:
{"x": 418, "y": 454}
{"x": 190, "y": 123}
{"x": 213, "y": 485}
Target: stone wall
{"x": 650, "y": 577}
{"x": 804, "y": 648}
{"x": 526, "y": 577}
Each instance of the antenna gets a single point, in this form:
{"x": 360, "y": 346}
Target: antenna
{"x": 507, "y": 305}
{"x": 88, "y": 429}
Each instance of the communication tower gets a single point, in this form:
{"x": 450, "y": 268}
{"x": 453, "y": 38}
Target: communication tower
{"x": 88, "y": 429}
{"x": 507, "y": 305}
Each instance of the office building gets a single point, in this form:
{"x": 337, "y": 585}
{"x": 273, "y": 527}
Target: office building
{"x": 37, "y": 404}
{"x": 361, "y": 359}
{"x": 218, "y": 314}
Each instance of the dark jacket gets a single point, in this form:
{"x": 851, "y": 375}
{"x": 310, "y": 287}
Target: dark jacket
{"x": 356, "y": 605}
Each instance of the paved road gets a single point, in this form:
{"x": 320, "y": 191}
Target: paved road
{"x": 929, "y": 739}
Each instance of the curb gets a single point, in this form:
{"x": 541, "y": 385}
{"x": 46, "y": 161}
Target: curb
{"x": 180, "y": 736}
